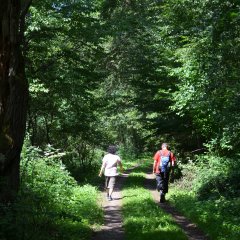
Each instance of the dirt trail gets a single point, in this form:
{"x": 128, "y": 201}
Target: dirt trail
{"x": 113, "y": 228}
{"x": 190, "y": 229}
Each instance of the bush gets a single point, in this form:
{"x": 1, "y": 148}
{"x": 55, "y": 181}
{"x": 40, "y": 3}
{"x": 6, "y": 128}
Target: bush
{"x": 216, "y": 177}
{"x": 211, "y": 177}
{"x": 50, "y": 204}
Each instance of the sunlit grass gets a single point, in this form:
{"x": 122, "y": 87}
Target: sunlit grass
{"x": 143, "y": 219}
{"x": 130, "y": 163}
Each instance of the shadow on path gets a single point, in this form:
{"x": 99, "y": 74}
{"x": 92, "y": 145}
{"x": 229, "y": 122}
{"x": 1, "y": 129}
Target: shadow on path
{"x": 190, "y": 229}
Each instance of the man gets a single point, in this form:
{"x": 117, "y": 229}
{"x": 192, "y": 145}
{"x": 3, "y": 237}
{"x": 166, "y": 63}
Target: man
{"x": 109, "y": 166}
{"x": 164, "y": 160}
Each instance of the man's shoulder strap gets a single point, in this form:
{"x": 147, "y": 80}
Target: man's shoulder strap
{"x": 169, "y": 153}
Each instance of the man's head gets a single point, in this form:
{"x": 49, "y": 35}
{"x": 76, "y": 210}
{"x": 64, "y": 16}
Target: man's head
{"x": 164, "y": 146}
{"x": 112, "y": 149}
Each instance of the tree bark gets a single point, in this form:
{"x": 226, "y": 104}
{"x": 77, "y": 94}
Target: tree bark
{"x": 13, "y": 95}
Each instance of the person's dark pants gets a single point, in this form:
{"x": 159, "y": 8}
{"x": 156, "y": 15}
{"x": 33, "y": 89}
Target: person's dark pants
{"x": 162, "y": 182}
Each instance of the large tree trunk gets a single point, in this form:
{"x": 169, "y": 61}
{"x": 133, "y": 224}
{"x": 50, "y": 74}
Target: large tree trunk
{"x": 13, "y": 96}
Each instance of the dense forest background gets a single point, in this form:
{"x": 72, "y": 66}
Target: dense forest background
{"x": 134, "y": 73}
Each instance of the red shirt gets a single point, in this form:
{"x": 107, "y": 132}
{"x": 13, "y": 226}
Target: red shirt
{"x": 157, "y": 158}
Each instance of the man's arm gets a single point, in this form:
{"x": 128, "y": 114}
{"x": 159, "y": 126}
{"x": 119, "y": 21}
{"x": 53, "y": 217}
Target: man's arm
{"x": 155, "y": 161}
{"x": 154, "y": 166}
{"x": 173, "y": 160}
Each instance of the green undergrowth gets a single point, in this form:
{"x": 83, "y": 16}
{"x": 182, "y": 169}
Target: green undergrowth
{"x": 143, "y": 219}
{"x": 219, "y": 219}
{"x": 132, "y": 162}
{"x": 51, "y": 205}
{"x": 208, "y": 194}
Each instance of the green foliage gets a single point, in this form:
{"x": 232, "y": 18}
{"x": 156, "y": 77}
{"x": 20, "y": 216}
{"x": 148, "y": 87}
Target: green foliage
{"x": 211, "y": 177}
{"x": 50, "y": 204}
{"x": 217, "y": 177}
{"x": 209, "y": 194}
{"x": 143, "y": 219}
{"x": 133, "y": 73}
{"x": 205, "y": 47}
{"x": 63, "y": 53}
{"x": 137, "y": 85}
{"x": 103, "y": 77}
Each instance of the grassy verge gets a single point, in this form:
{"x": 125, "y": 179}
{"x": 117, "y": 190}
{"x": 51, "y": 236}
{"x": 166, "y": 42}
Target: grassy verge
{"x": 143, "y": 219}
{"x": 219, "y": 219}
{"x": 129, "y": 163}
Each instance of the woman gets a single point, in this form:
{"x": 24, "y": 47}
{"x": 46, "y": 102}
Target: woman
{"x": 109, "y": 165}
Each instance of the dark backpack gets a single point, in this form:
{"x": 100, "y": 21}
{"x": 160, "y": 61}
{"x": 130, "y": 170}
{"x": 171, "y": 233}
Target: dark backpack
{"x": 165, "y": 164}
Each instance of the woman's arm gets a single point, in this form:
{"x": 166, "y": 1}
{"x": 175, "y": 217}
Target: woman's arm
{"x": 102, "y": 169}
{"x": 121, "y": 166}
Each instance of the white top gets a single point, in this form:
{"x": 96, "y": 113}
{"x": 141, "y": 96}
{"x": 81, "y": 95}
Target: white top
{"x": 110, "y": 162}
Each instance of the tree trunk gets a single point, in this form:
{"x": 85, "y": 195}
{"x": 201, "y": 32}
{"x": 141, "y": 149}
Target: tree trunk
{"x": 13, "y": 96}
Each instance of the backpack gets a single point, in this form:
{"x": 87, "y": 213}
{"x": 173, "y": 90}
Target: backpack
{"x": 165, "y": 163}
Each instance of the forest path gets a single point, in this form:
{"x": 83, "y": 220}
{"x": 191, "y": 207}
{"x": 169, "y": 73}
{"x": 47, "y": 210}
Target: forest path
{"x": 113, "y": 224}
{"x": 112, "y": 228}
{"x": 190, "y": 229}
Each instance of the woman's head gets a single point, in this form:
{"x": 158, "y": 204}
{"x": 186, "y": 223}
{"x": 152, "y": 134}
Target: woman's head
{"x": 112, "y": 149}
